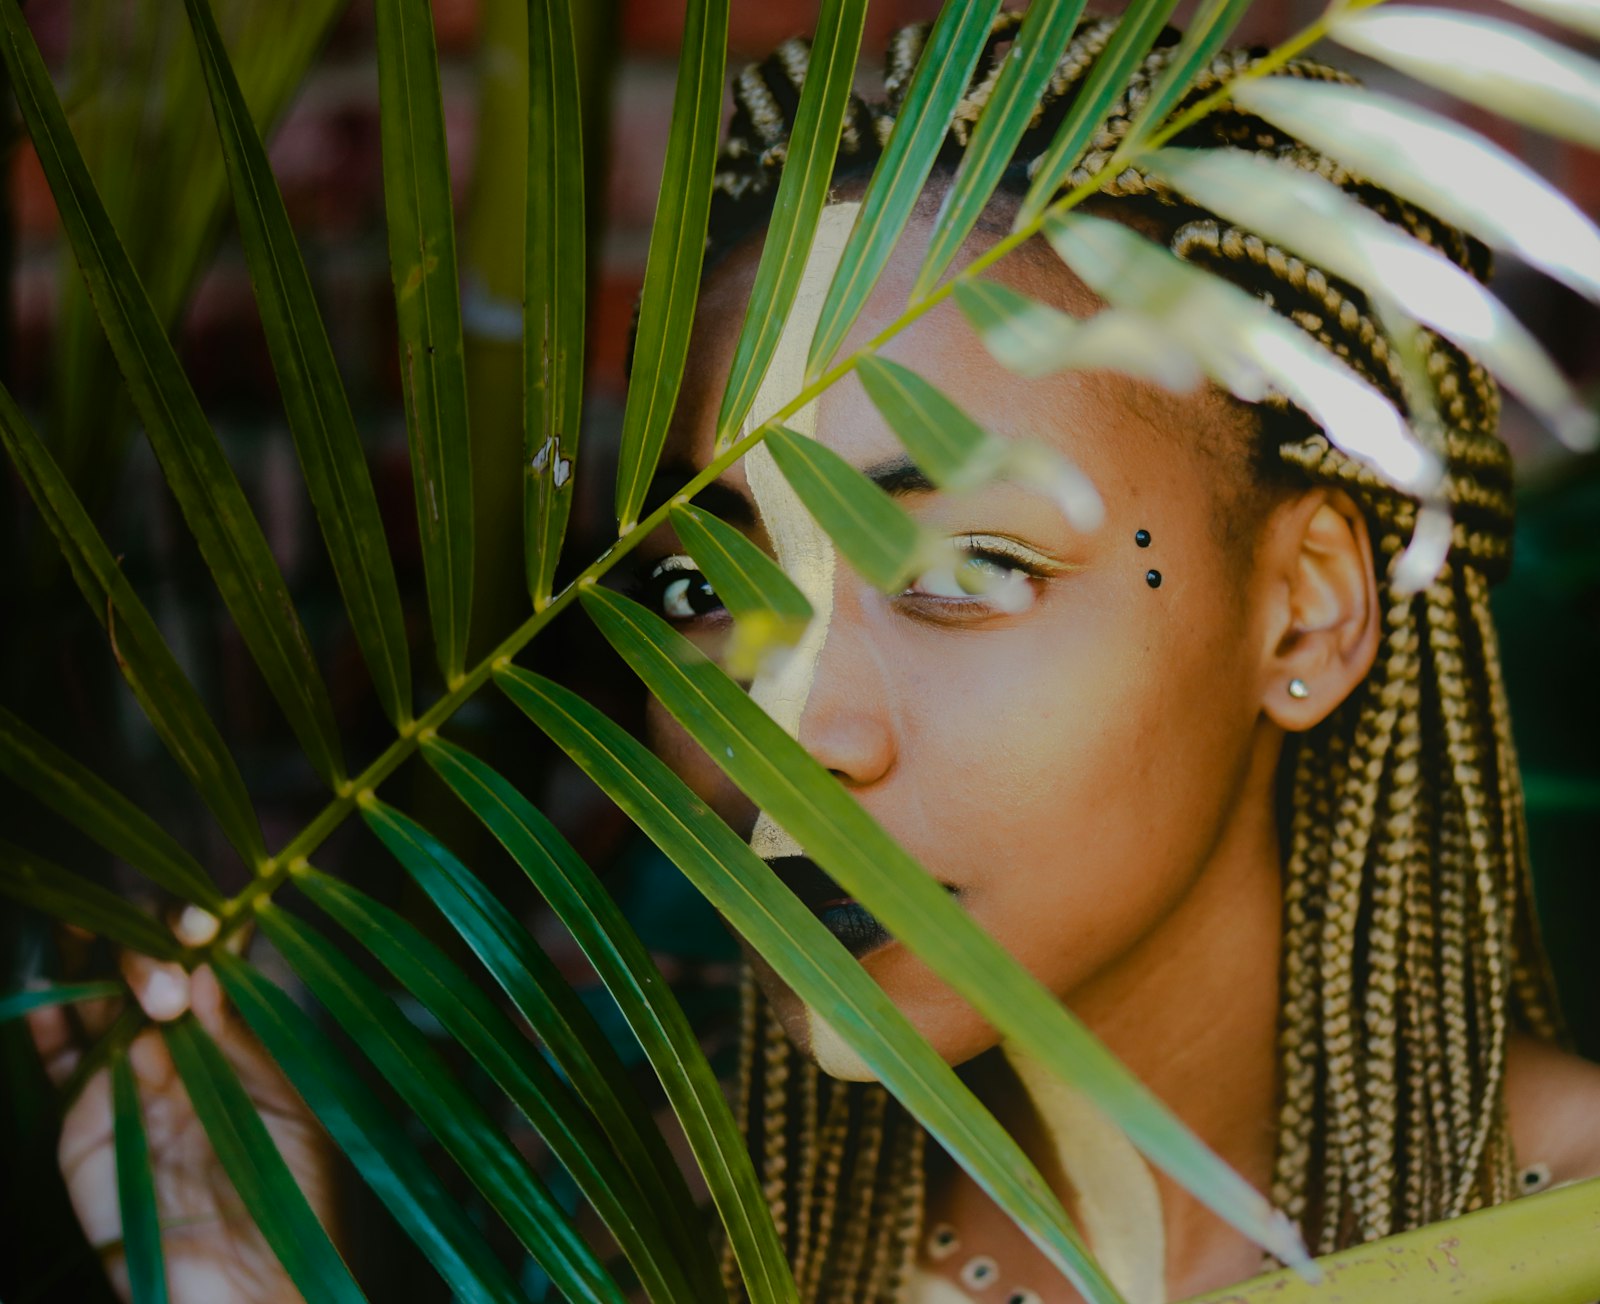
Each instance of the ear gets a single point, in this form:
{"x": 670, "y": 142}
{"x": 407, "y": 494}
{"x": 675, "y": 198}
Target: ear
{"x": 1323, "y": 619}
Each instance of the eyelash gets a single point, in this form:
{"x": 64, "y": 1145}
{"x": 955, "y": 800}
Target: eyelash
{"x": 655, "y": 589}
{"x": 1013, "y": 560}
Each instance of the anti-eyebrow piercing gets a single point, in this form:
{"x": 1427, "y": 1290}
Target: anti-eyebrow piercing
{"x": 1142, "y": 538}
{"x": 1153, "y": 578}
{"x": 1298, "y": 690}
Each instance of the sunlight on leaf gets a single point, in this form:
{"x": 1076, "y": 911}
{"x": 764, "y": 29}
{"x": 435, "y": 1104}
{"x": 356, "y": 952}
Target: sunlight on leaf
{"x": 1580, "y": 15}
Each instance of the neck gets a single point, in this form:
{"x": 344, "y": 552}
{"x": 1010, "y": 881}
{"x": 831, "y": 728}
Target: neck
{"x": 1192, "y": 1011}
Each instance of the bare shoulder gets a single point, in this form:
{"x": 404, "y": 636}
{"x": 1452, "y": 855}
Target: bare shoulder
{"x": 1554, "y": 1102}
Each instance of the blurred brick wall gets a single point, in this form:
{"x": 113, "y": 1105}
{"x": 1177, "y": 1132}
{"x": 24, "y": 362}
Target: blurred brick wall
{"x": 326, "y": 156}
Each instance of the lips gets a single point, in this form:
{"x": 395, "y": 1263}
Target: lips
{"x": 847, "y": 919}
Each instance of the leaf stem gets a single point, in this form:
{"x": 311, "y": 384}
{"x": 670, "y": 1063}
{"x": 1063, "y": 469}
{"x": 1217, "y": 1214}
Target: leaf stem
{"x": 280, "y": 867}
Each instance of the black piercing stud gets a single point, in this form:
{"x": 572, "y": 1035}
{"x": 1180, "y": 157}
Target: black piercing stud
{"x": 1153, "y": 578}
{"x": 1142, "y": 538}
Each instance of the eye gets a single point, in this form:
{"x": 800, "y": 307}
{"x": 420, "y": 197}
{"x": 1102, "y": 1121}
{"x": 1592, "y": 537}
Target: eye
{"x": 983, "y": 571}
{"x": 677, "y": 590}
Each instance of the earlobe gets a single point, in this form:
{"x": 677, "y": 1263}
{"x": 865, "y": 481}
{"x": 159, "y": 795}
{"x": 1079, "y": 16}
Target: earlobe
{"x": 1328, "y": 630}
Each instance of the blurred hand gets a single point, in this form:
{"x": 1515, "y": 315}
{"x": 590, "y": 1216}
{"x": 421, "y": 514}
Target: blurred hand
{"x": 214, "y": 1254}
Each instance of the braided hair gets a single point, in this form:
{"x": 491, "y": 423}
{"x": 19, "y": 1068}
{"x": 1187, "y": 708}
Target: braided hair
{"x": 1410, "y": 949}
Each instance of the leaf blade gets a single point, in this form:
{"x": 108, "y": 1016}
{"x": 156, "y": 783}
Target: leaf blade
{"x": 402, "y": 1055}
{"x": 553, "y": 299}
{"x": 16, "y": 1004}
{"x": 1202, "y": 39}
{"x": 258, "y": 1172}
{"x": 877, "y": 538}
{"x": 1141, "y": 23}
{"x": 314, "y": 400}
{"x": 1448, "y": 170}
{"x": 642, "y": 994}
{"x": 196, "y": 468}
{"x": 802, "y": 192}
{"x": 942, "y": 73}
{"x": 168, "y": 699}
{"x": 810, "y": 960}
{"x": 479, "y": 1027}
{"x": 427, "y": 296}
{"x": 377, "y": 1145}
{"x": 1046, "y": 31}
{"x": 71, "y": 789}
{"x": 836, "y": 831}
{"x": 45, "y": 886}
{"x": 677, "y": 243}
{"x": 136, "y": 1191}
{"x": 1498, "y": 65}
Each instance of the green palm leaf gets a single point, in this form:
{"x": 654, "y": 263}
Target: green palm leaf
{"x": 553, "y": 301}
{"x": 386, "y": 1158}
{"x": 802, "y": 191}
{"x": 313, "y": 396}
{"x": 838, "y": 833}
{"x": 641, "y": 993}
{"x": 1445, "y": 168}
{"x": 877, "y": 538}
{"x": 1140, "y": 25}
{"x": 17, "y": 1004}
{"x": 166, "y": 696}
{"x": 810, "y": 960}
{"x": 1034, "y": 57}
{"x": 250, "y": 1158}
{"x": 1499, "y": 66}
{"x": 427, "y": 299}
{"x": 559, "y": 1116}
{"x": 191, "y": 457}
{"x": 403, "y": 1057}
{"x": 37, "y": 765}
{"x": 45, "y": 886}
{"x": 1202, "y": 39}
{"x": 136, "y": 1191}
{"x": 677, "y": 246}
{"x": 558, "y": 1018}
{"x": 952, "y": 449}
{"x": 940, "y": 80}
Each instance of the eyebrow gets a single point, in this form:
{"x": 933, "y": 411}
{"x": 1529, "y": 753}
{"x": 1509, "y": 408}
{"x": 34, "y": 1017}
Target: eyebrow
{"x": 899, "y": 477}
{"x": 726, "y": 502}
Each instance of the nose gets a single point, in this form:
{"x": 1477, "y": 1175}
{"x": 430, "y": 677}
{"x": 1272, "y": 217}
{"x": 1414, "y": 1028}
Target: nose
{"x": 846, "y": 722}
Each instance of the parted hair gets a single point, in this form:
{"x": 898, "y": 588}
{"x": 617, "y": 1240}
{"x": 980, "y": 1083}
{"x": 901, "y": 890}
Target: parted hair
{"x": 1410, "y": 948}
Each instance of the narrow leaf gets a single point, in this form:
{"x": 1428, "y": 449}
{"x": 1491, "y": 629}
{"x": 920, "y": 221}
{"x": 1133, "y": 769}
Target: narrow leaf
{"x": 73, "y": 899}
{"x": 1203, "y": 37}
{"x": 950, "y": 448}
{"x": 643, "y": 996}
{"x": 1439, "y": 165}
{"x": 1243, "y": 344}
{"x": 34, "y": 763}
{"x": 940, "y": 80}
{"x": 807, "y": 957}
{"x": 403, "y": 1057}
{"x": 1580, "y": 15}
{"x": 250, "y": 1157}
{"x": 385, "y": 1156}
{"x": 877, "y": 538}
{"x": 769, "y": 612}
{"x": 802, "y": 191}
{"x": 1034, "y": 339}
{"x": 1015, "y": 99}
{"x": 835, "y": 829}
{"x": 197, "y": 470}
{"x": 427, "y": 299}
{"x": 553, "y": 302}
{"x": 509, "y": 1057}
{"x": 1136, "y": 33}
{"x": 17, "y": 1004}
{"x": 166, "y": 696}
{"x": 313, "y": 396}
{"x": 1492, "y": 64}
{"x": 677, "y": 246}
{"x": 1316, "y": 220}
{"x": 136, "y": 1189}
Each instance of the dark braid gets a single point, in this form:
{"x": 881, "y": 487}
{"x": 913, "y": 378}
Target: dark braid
{"x": 1410, "y": 943}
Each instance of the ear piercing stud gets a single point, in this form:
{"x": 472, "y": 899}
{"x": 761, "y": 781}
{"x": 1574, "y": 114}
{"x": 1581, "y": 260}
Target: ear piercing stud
{"x": 1298, "y": 690}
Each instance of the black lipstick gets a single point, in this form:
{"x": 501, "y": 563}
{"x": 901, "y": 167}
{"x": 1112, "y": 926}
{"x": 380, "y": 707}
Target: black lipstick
{"x": 843, "y": 916}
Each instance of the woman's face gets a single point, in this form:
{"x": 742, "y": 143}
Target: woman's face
{"x": 1067, "y": 764}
